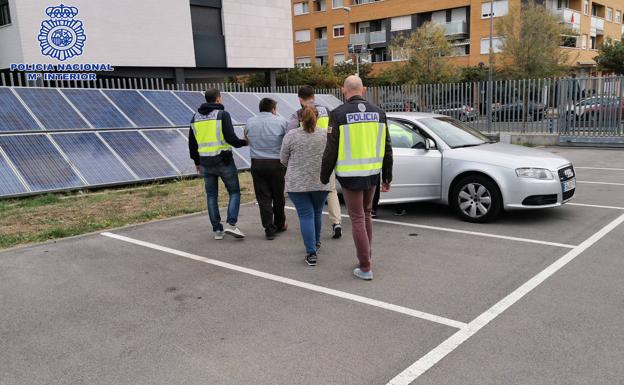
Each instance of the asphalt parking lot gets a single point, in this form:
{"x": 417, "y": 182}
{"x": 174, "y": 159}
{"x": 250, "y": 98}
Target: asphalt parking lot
{"x": 534, "y": 298}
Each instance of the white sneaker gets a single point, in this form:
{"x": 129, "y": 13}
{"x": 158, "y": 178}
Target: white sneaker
{"x": 218, "y": 235}
{"x": 234, "y": 231}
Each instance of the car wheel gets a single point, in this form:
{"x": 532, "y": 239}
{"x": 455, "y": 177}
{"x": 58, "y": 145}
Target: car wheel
{"x": 476, "y": 199}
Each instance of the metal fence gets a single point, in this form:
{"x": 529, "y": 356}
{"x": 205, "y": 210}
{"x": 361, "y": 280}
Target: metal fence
{"x": 571, "y": 107}
{"x": 577, "y": 109}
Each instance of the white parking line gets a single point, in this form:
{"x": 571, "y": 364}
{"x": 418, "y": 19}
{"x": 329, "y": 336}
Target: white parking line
{"x": 292, "y": 282}
{"x": 592, "y": 182}
{"x": 466, "y": 232}
{"x": 596, "y": 206}
{"x": 599, "y": 168}
{"x": 434, "y": 356}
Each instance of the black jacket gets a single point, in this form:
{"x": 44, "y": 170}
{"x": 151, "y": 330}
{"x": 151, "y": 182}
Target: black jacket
{"x": 226, "y": 127}
{"x": 337, "y": 118}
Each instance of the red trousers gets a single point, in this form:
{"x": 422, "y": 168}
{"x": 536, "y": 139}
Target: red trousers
{"x": 359, "y": 205}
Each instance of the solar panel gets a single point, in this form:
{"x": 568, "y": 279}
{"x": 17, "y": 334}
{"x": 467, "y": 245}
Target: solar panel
{"x": 185, "y": 132}
{"x": 138, "y": 154}
{"x": 9, "y": 183}
{"x": 243, "y": 152}
{"x": 13, "y": 115}
{"x": 193, "y": 99}
{"x": 51, "y": 108}
{"x": 291, "y": 99}
{"x": 283, "y": 108}
{"x": 92, "y": 158}
{"x": 175, "y": 147}
{"x": 240, "y": 161}
{"x": 250, "y": 101}
{"x": 137, "y": 108}
{"x": 39, "y": 162}
{"x": 172, "y": 107}
{"x": 239, "y": 113}
{"x": 96, "y": 108}
{"x": 329, "y": 101}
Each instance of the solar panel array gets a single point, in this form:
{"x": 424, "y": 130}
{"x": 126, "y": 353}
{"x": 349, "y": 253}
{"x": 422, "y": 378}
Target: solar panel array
{"x": 62, "y": 139}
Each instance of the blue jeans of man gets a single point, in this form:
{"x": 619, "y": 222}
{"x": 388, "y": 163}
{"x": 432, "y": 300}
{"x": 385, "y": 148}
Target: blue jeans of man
{"x": 309, "y": 207}
{"x": 229, "y": 175}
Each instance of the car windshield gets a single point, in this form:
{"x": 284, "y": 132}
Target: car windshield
{"x": 454, "y": 133}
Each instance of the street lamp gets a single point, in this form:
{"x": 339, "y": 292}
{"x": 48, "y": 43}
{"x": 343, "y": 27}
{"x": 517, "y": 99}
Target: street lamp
{"x": 357, "y": 55}
{"x": 490, "y": 69}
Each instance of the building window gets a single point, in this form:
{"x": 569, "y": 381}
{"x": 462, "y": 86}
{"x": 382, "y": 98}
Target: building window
{"x": 302, "y": 36}
{"x": 586, "y": 7}
{"x": 593, "y": 42}
{"x": 584, "y": 42}
{"x": 339, "y": 30}
{"x": 303, "y": 61}
{"x": 569, "y": 41}
{"x": 497, "y": 42}
{"x": 501, "y": 8}
{"x": 337, "y": 4}
{"x": 5, "y": 15}
{"x": 319, "y": 5}
{"x": 610, "y": 14}
{"x": 301, "y": 8}
{"x": 618, "y": 16}
{"x": 339, "y": 58}
{"x": 401, "y": 23}
{"x": 362, "y": 2}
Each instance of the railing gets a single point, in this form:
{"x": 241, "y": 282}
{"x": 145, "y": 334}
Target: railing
{"x": 455, "y": 28}
{"x": 321, "y": 47}
{"x": 377, "y": 37}
{"x": 569, "y": 17}
{"x": 597, "y": 25}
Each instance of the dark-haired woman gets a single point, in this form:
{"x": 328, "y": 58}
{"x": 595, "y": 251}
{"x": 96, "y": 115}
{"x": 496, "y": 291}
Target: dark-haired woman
{"x": 302, "y": 153}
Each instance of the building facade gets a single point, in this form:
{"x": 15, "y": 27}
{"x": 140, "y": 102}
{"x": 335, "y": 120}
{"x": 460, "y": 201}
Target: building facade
{"x": 181, "y": 40}
{"x": 332, "y": 31}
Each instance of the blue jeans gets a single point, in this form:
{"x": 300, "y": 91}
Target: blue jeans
{"x": 229, "y": 175}
{"x": 309, "y": 207}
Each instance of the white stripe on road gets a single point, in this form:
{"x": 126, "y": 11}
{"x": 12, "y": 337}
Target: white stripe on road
{"x": 292, "y": 282}
{"x": 600, "y": 168}
{"x": 596, "y": 206}
{"x": 466, "y": 232}
{"x": 434, "y": 356}
{"x": 592, "y": 182}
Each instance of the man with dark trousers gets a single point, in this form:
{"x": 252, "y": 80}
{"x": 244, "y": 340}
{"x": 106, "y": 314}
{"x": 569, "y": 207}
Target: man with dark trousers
{"x": 359, "y": 150}
{"x": 265, "y": 133}
{"x": 211, "y": 139}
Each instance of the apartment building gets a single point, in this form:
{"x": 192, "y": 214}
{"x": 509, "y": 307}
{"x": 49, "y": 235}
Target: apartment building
{"x": 332, "y": 31}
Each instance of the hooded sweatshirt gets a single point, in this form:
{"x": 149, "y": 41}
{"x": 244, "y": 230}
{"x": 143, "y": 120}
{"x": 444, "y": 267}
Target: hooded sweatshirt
{"x": 226, "y": 127}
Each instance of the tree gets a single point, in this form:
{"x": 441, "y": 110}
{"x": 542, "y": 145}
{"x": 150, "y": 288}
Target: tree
{"x": 611, "y": 57}
{"x": 427, "y": 52}
{"x": 531, "y": 43}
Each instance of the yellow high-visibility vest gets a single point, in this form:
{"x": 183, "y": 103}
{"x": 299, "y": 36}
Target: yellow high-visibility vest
{"x": 209, "y": 135}
{"x": 362, "y": 145}
{"x": 323, "y": 118}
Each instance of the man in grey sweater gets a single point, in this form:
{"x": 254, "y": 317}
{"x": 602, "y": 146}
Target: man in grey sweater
{"x": 265, "y": 133}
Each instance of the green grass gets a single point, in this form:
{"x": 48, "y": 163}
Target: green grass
{"x": 55, "y": 216}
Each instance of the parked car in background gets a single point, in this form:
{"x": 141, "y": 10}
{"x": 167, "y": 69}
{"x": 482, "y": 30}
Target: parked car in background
{"x": 457, "y": 110}
{"x": 438, "y": 158}
{"x": 591, "y": 108}
{"x": 515, "y": 111}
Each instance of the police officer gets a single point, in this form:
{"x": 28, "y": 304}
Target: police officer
{"x": 306, "y": 97}
{"x": 210, "y": 145}
{"x": 360, "y": 151}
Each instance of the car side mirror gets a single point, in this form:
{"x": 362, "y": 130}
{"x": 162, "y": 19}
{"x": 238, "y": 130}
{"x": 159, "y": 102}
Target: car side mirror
{"x": 430, "y": 144}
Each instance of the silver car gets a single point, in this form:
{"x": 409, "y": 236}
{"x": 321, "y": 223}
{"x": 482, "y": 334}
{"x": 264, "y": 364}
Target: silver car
{"x": 438, "y": 158}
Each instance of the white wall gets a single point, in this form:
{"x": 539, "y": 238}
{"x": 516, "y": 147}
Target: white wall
{"x": 10, "y": 47}
{"x": 145, "y": 33}
{"x": 258, "y": 34}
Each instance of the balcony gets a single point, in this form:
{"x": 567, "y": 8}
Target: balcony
{"x": 362, "y": 39}
{"x": 455, "y": 28}
{"x": 321, "y": 47}
{"x": 570, "y": 18}
{"x": 597, "y": 26}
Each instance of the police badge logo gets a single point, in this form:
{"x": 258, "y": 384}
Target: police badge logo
{"x": 62, "y": 37}
{"x": 361, "y": 107}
